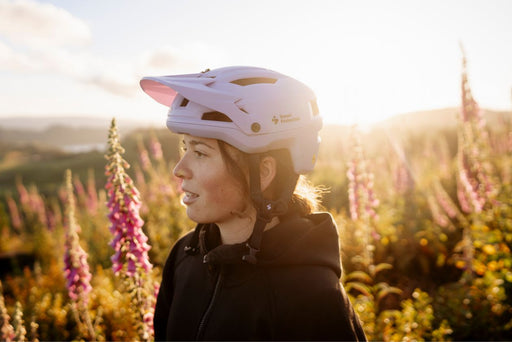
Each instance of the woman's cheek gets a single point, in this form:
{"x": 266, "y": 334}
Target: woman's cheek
{"x": 227, "y": 196}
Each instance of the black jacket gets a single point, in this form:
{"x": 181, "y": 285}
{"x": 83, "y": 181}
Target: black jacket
{"x": 292, "y": 293}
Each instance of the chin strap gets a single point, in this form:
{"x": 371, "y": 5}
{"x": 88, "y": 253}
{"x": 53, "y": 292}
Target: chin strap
{"x": 265, "y": 209}
{"x": 193, "y": 247}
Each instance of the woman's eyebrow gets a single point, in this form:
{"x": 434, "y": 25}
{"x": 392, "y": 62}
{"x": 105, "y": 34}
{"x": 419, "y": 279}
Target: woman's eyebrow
{"x": 198, "y": 142}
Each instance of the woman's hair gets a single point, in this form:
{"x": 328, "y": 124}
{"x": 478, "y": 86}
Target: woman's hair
{"x": 306, "y": 197}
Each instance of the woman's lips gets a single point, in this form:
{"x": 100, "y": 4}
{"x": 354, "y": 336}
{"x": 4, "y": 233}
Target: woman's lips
{"x": 189, "y": 197}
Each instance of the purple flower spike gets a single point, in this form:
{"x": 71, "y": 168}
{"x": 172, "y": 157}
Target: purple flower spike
{"x": 362, "y": 198}
{"x": 129, "y": 241}
{"x": 156, "y": 148}
{"x": 475, "y": 185}
{"x": 76, "y": 268}
{"x": 130, "y": 259}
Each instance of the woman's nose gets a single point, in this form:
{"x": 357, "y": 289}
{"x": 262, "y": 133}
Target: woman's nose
{"x": 180, "y": 170}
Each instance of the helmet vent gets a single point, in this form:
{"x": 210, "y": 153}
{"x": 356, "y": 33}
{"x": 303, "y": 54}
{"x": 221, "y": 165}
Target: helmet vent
{"x": 314, "y": 107}
{"x": 216, "y": 116}
{"x": 184, "y": 102}
{"x": 254, "y": 80}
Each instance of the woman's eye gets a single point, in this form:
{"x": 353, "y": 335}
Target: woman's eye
{"x": 197, "y": 153}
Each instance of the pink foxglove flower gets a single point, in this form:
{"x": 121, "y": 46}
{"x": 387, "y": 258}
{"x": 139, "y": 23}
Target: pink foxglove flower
{"x": 145, "y": 162}
{"x": 22, "y": 191}
{"x": 130, "y": 259}
{"x": 79, "y": 188}
{"x": 401, "y": 179}
{"x": 31, "y": 202}
{"x": 475, "y": 185}
{"x": 469, "y": 189}
{"x": 445, "y": 202}
{"x": 461, "y": 196}
{"x": 129, "y": 241}
{"x": 362, "y": 198}
{"x": 92, "y": 194}
{"x": 51, "y": 221}
{"x": 36, "y": 205}
{"x": 155, "y": 148}
{"x": 14, "y": 213}
{"x": 54, "y": 215}
{"x": 438, "y": 216}
{"x": 76, "y": 268}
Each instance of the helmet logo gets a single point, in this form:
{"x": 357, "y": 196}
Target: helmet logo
{"x": 285, "y": 118}
{"x": 255, "y": 127}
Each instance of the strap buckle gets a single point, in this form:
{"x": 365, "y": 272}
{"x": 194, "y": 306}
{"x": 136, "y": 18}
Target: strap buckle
{"x": 251, "y": 257}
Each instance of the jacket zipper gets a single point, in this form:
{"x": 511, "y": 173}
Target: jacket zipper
{"x": 207, "y": 313}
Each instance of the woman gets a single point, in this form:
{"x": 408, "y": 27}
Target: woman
{"x": 259, "y": 265}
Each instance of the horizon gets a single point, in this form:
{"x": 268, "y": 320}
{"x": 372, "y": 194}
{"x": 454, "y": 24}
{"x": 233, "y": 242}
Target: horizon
{"x": 366, "y": 61}
{"x": 17, "y": 122}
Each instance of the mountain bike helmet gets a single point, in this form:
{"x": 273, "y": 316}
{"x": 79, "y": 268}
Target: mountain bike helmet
{"x": 253, "y": 109}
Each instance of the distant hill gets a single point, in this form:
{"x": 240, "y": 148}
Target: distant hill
{"x": 439, "y": 118}
{"x": 78, "y": 134}
{"x": 28, "y": 123}
{"x": 61, "y": 137}
{"x": 73, "y": 134}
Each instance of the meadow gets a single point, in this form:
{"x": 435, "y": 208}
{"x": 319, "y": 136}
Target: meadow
{"x": 424, "y": 215}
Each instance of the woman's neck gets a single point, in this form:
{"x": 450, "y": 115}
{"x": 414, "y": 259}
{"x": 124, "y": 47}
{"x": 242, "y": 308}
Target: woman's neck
{"x": 239, "y": 229}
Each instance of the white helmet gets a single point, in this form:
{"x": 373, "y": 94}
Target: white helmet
{"x": 253, "y": 109}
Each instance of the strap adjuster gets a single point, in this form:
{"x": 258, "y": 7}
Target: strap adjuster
{"x": 251, "y": 257}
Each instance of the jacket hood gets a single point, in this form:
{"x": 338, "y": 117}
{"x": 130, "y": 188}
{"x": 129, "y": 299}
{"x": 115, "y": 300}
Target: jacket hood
{"x": 311, "y": 240}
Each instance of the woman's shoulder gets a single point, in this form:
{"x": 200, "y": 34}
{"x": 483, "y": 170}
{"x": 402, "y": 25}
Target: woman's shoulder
{"x": 178, "y": 250}
{"x": 313, "y": 276}
{"x": 326, "y": 312}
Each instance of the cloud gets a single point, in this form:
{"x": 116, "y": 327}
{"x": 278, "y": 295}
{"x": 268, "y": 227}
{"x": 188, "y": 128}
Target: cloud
{"x": 114, "y": 77}
{"x": 12, "y": 60}
{"x": 31, "y": 23}
{"x": 166, "y": 58}
{"x": 118, "y": 78}
{"x": 114, "y": 85}
{"x": 37, "y": 37}
{"x": 42, "y": 38}
{"x": 187, "y": 58}
{"x": 43, "y": 59}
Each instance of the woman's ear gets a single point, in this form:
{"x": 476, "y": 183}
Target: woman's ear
{"x": 268, "y": 171}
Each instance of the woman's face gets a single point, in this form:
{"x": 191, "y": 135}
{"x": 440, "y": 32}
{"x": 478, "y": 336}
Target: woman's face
{"x": 211, "y": 193}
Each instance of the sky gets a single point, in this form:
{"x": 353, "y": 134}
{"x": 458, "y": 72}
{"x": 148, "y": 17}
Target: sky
{"x": 366, "y": 60}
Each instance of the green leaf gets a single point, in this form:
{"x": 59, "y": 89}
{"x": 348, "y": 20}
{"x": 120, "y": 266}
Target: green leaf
{"x": 365, "y": 290}
{"x": 387, "y": 291}
{"x": 380, "y": 286}
{"x": 359, "y": 276}
{"x": 381, "y": 267}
